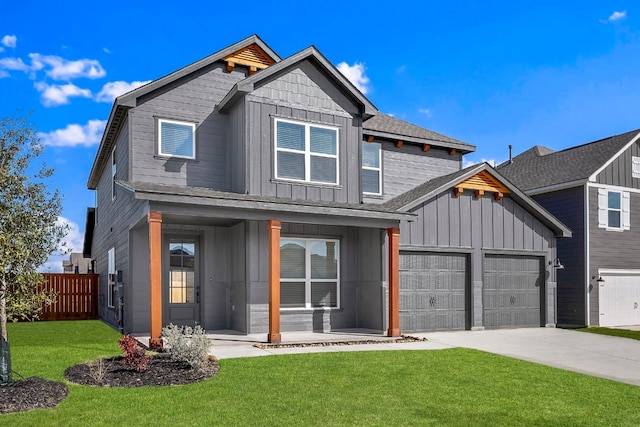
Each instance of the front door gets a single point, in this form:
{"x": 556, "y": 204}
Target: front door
{"x": 182, "y": 283}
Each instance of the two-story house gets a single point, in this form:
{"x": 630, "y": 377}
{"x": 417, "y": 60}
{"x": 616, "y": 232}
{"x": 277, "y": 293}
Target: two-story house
{"x": 258, "y": 194}
{"x": 595, "y": 189}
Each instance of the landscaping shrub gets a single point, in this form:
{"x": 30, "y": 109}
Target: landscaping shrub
{"x": 134, "y": 356}
{"x": 187, "y": 344}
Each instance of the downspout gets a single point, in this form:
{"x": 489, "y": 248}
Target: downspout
{"x": 586, "y": 255}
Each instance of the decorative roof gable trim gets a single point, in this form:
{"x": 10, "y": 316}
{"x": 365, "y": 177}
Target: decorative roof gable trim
{"x": 252, "y": 56}
{"x": 483, "y": 181}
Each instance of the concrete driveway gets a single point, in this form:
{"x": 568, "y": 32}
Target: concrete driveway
{"x": 602, "y": 356}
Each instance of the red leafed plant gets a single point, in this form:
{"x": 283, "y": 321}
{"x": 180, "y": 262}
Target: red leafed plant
{"x": 134, "y": 356}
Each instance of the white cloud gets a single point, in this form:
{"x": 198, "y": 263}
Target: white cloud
{"x": 14, "y": 64}
{"x": 425, "y": 111}
{"x": 106, "y": 50}
{"x": 63, "y": 69}
{"x": 615, "y": 16}
{"x": 74, "y": 135}
{"x": 112, "y": 90}
{"x": 73, "y": 242}
{"x": 54, "y": 95}
{"x": 9, "y": 40}
{"x": 356, "y": 75}
{"x": 4, "y": 74}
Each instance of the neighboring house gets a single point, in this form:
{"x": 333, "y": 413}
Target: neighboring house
{"x": 76, "y": 264}
{"x": 595, "y": 190}
{"x": 252, "y": 193}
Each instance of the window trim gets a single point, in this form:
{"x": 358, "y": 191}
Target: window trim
{"x": 378, "y": 169}
{"x": 308, "y": 280}
{"x": 192, "y": 125}
{"x": 307, "y": 152}
{"x": 111, "y": 272}
{"x": 635, "y": 167}
{"x": 603, "y": 209}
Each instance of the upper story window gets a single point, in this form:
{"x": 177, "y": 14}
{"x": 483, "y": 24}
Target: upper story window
{"x": 371, "y": 168}
{"x": 113, "y": 174}
{"x": 306, "y": 152}
{"x": 176, "y": 139}
{"x": 614, "y": 209}
{"x": 635, "y": 167}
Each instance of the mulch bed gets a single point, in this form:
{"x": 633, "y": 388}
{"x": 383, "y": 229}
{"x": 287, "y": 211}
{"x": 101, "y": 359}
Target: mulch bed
{"x": 402, "y": 339}
{"x": 31, "y": 393}
{"x": 162, "y": 371}
{"x": 38, "y": 393}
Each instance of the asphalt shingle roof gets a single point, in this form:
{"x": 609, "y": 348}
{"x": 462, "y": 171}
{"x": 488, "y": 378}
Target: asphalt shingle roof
{"x": 387, "y": 124}
{"x": 542, "y": 167}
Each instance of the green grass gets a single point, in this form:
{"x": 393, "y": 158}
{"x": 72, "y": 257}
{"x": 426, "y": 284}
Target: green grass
{"x": 445, "y": 387}
{"x": 624, "y": 333}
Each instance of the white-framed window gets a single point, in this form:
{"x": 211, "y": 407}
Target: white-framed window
{"x": 306, "y": 152}
{"x": 309, "y": 273}
{"x": 635, "y": 166}
{"x": 113, "y": 174}
{"x": 176, "y": 139}
{"x": 614, "y": 209}
{"x": 112, "y": 286}
{"x": 371, "y": 168}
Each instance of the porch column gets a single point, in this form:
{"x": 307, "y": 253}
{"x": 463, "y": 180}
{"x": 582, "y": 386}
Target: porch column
{"x": 155, "y": 278}
{"x": 274, "y": 281}
{"x": 394, "y": 282}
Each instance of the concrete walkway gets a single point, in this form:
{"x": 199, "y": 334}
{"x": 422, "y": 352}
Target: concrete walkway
{"x": 602, "y": 356}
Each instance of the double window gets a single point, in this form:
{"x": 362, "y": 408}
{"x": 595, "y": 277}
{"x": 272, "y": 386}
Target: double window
{"x": 309, "y": 273}
{"x": 176, "y": 139}
{"x": 614, "y": 209}
{"x": 306, "y": 152}
{"x": 371, "y": 168}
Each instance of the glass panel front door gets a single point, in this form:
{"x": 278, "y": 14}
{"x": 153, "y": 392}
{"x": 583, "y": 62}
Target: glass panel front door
{"x": 183, "y": 288}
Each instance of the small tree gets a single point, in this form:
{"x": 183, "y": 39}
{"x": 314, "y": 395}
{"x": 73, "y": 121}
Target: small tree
{"x": 29, "y": 232}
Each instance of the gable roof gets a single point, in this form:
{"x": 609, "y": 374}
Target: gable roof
{"x": 247, "y": 85}
{"x": 128, "y": 100}
{"x": 541, "y": 167}
{"x": 385, "y": 126}
{"x": 420, "y": 194}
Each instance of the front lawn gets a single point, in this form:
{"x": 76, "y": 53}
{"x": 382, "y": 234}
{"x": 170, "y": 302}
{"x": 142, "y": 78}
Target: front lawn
{"x": 624, "y": 333}
{"x": 444, "y": 387}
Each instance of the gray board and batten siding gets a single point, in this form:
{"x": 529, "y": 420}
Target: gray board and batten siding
{"x": 619, "y": 171}
{"x": 611, "y": 249}
{"x": 568, "y": 206}
{"x": 481, "y": 228}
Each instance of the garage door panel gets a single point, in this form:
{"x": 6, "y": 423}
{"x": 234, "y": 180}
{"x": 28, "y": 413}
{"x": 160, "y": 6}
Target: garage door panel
{"x": 433, "y": 291}
{"x": 619, "y": 300}
{"x": 512, "y": 291}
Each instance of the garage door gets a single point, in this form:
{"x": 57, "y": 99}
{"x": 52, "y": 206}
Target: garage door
{"x": 512, "y": 291}
{"x": 619, "y": 300}
{"x": 433, "y": 291}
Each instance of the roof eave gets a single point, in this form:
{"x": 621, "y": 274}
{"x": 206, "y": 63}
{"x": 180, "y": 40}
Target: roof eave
{"x": 116, "y": 116}
{"x": 462, "y": 147}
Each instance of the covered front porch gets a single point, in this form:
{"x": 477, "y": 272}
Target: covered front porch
{"x": 232, "y": 268}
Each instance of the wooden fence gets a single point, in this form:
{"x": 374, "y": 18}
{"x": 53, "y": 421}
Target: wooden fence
{"x": 77, "y": 297}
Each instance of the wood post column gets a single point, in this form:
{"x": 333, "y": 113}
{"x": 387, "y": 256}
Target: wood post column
{"x": 394, "y": 281}
{"x": 155, "y": 278}
{"x": 274, "y": 281}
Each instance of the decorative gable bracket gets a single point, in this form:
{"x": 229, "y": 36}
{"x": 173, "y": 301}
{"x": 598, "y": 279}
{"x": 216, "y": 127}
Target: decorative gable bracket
{"x": 252, "y": 57}
{"x": 482, "y": 182}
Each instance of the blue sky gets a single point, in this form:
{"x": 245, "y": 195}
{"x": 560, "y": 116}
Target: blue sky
{"x": 490, "y": 73}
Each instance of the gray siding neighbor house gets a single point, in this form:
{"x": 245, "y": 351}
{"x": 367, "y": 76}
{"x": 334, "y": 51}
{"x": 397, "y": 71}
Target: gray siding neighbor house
{"x": 256, "y": 194}
{"x": 595, "y": 189}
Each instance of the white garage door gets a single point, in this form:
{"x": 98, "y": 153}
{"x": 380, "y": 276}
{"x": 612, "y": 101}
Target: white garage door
{"x": 619, "y": 300}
